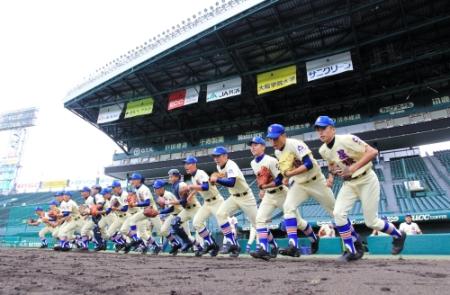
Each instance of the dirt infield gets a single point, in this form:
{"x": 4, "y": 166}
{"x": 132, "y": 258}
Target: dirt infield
{"x": 28, "y": 271}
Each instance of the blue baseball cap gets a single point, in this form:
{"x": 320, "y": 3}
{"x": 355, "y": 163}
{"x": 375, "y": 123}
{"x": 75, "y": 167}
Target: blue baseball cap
{"x": 105, "y": 191}
{"x": 258, "y": 140}
{"x": 175, "y": 172}
{"x": 136, "y": 176}
{"x": 275, "y": 130}
{"x": 86, "y": 189}
{"x": 220, "y": 150}
{"x": 159, "y": 183}
{"x": 324, "y": 121}
{"x": 38, "y": 209}
{"x": 68, "y": 194}
{"x": 59, "y": 194}
{"x": 53, "y": 203}
{"x": 190, "y": 160}
{"x": 116, "y": 183}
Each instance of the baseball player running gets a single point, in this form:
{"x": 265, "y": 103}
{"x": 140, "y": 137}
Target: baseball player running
{"x": 46, "y": 219}
{"x": 272, "y": 193}
{"x": 351, "y": 158}
{"x": 108, "y": 218}
{"x": 190, "y": 204}
{"x": 241, "y": 196}
{"x": 301, "y": 171}
{"x": 138, "y": 222}
{"x": 59, "y": 221}
{"x": 89, "y": 230}
{"x": 170, "y": 210}
{"x": 212, "y": 201}
{"x": 69, "y": 211}
{"x": 119, "y": 207}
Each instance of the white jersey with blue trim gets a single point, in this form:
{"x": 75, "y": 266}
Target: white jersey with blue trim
{"x": 70, "y": 206}
{"x": 89, "y": 201}
{"x": 300, "y": 150}
{"x": 231, "y": 169}
{"x": 99, "y": 199}
{"x": 143, "y": 193}
{"x": 199, "y": 178}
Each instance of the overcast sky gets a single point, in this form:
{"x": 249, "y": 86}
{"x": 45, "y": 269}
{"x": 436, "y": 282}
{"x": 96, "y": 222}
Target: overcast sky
{"x": 47, "y": 47}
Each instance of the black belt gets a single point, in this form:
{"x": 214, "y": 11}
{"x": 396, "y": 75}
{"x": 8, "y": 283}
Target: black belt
{"x": 190, "y": 206}
{"x": 280, "y": 188}
{"x": 241, "y": 194}
{"x": 356, "y": 177}
{"x": 312, "y": 179}
{"x": 211, "y": 199}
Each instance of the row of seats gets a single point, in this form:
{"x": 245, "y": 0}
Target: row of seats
{"x": 444, "y": 158}
{"x": 409, "y": 167}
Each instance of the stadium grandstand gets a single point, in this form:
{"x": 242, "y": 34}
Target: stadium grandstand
{"x": 380, "y": 68}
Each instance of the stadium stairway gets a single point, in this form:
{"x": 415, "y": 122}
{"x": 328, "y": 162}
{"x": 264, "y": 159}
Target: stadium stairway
{"x": 388, "y": 188}
{"x": 439, "y": 172}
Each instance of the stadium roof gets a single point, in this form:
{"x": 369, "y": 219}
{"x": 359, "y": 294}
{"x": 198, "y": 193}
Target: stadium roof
{"x": 400, "y": 50}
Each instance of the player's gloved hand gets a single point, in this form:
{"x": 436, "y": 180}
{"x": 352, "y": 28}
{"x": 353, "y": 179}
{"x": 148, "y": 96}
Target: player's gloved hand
{"x": 345, "y": 172}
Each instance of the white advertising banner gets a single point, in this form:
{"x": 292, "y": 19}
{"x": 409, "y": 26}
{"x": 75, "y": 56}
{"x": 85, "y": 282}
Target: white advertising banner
{"x": 329, "y": 66}
{"x": 110, "y": 113}
{"x": 223, "y": 89}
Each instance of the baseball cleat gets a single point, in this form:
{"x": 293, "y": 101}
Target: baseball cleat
{"x": 156, "y": 250}
{"x": 234, "y": 250}
{"x": 315, "y": 246}
{"x": 225, "y": 249}
{"x": 57, "y": 248}
{"x": 347, "y": 256}
{"x": 119, "y": 247}
{"x": 127, "y": 248}
{"x": 43, "y": 246}
{"x": 290, "y": 251}
{"x": 213, "y": 252}
{"x": 210, "y": 247}
{"x": 174, "y": 250}
{"x": 398, "y": 244}
{"x": 274, "y": 252}
{"x": 261, "y": 254}
{"x": 186, "y": 247}
{"x": 144, "y": 250}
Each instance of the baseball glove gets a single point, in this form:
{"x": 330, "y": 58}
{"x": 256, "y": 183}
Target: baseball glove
{"x": 286, "y": 162}
{"x": 93, "y": 210}
{"x": 218, "y": 174}
{"x": 264, "y": 176}
{"x": 151, "y": 212}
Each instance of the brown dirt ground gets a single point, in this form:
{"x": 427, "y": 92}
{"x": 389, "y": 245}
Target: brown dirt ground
{"x": 30, "y": 271}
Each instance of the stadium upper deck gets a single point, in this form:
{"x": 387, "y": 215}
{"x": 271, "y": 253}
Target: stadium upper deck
{"x": 398, "y": 51}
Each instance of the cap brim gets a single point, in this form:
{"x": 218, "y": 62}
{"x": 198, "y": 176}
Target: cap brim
{"x": 273, "y": 135}
{"x": 322, "y": 125}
